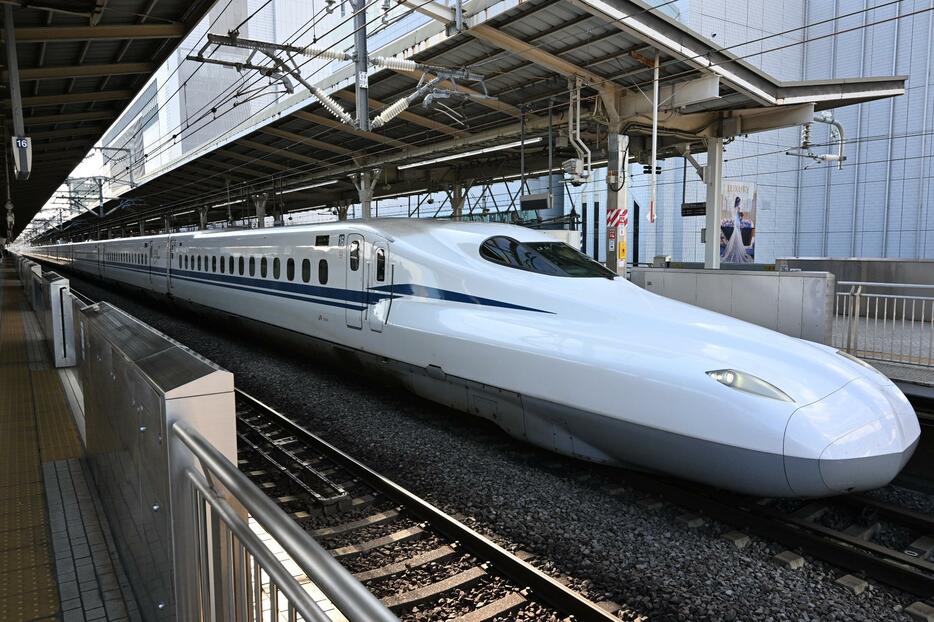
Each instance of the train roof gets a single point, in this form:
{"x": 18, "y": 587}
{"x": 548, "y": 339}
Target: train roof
{"x": 396, "y": 228}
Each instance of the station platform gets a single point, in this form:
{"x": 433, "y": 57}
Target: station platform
{"x": 57, "y": 558}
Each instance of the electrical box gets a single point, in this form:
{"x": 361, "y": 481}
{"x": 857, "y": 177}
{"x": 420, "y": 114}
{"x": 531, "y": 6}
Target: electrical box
{"x": 541, "y": 201}
{"x": 22, "y": 157}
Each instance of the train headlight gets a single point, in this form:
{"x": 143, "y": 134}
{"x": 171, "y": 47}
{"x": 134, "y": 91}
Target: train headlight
{"x": 859, "y": 361}
{"x": 742, "y": 381}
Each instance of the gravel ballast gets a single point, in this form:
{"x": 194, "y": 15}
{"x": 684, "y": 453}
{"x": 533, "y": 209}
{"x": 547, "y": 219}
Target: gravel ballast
{"x": 610, "y": 547}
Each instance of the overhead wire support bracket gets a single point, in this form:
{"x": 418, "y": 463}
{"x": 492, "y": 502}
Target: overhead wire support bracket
{"x": 281, "y": 70}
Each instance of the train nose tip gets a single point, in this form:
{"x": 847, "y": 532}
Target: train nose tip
{"x": 856, "y": 438}
{"x": 868, "y": 457}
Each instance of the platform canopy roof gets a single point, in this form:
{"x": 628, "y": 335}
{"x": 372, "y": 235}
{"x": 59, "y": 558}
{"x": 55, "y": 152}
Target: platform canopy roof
{"x": 81, "y": 62}
{"x": 527, "y": 52}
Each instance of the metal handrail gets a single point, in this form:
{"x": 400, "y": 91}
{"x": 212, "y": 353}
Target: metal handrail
{"x": 890, "y": 285}
{"x": 890, "y": 327}
{"x": 350, "y": 597}
{"x": 298, "y": 597}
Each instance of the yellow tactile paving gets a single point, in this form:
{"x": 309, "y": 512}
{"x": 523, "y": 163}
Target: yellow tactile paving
{"x": 34, "y": 427}
{"x": 58, "y": 438}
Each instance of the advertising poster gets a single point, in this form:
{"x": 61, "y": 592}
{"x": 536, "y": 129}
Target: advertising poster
{"x": 738, "y": 222}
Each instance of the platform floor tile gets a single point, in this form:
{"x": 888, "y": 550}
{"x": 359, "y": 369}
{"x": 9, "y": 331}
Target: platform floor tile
{"x": 57, "y": 560}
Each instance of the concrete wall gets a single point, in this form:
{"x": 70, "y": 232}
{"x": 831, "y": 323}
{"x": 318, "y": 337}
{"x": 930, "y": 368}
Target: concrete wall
{"x": 799, "y": 304}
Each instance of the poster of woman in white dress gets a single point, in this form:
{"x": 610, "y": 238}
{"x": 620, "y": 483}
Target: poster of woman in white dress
{"x": 738, "y": 223}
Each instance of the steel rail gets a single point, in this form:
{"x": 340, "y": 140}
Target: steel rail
{"x": 543, "y": 587}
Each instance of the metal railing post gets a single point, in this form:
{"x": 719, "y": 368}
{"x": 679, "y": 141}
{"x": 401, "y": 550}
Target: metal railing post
{"x": 233, "y": 546}
{"x": 853, "y": 325}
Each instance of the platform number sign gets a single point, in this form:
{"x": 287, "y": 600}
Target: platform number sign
{"x": 22, "y": 157}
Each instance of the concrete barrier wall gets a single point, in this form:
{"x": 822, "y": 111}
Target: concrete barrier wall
{"x": 799, "y": 304}
{"x": 910, "y": 271}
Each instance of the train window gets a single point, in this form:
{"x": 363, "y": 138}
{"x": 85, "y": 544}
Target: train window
{"x": 322, "y": 240}
{"x": 252, "y": 266}
{"x": 179, "y": 262}
{"x": 186, "y": 262}
{"x": 205, "y": 263}
{"x": 290, "y": 269}
{"x": 223, "y": 263}
{"x": 262, "y": 267}
{"x": 323, "y": 271}
{"x": 240, "y": 265}
{"x": 306, "y": 270}
{"x": 552, "y": 258}
{"x": 355, "y": 255}
{"x": 276, "y": 268}
{"x": 380, "y": 264}
{"x": 213, "y": 263}
{"x": 230, "y": 264}
{"x": 199, "y": 262}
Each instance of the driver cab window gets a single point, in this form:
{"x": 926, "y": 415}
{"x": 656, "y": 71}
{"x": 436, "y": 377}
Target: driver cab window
{"x": 551, "y": 258}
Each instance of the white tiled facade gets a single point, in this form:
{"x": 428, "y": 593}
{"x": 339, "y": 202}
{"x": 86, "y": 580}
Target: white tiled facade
{"x": 880, "y": 204}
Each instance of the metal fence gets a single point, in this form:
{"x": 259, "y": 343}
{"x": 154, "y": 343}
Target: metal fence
{"x": 891, "y": 322}
{"x": 241, "y": 577}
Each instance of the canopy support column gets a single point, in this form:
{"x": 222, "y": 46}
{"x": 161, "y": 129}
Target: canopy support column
{"x": 713, "y": 177}
{"x": 616, "y": 194}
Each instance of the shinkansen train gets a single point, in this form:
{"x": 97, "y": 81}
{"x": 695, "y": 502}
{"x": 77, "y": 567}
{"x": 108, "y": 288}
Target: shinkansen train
{"x": 507, "y": 324}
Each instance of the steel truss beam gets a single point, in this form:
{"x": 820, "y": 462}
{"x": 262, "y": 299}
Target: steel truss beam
{"x": 119, "y": 32}
{"x": 84, "y": 71}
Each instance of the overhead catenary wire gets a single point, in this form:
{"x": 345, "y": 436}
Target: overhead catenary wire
{"x": 796, "y": 43}
{"x": 181, "y": 86}
{"x": 804, "y": 27}
{"x": 296, "y": 171}
{"x": 407, "y": 12}
{"x": 166, "y": 145}
{"x": 165, "y": 141}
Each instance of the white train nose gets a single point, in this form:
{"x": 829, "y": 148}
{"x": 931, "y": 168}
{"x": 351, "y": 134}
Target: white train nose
{"x": 857, "y": 438}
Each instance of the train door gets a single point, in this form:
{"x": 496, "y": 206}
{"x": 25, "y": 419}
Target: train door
{"x": 100, "y": 259}
{"x": 170, "y": 266}
{"x": 356, "y": 284}
{"x": 378, "y": 277}
{"x": 149, "y": 255}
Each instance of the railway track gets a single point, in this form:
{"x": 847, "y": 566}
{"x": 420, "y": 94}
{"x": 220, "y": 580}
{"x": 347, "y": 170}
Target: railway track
{"x": 874, "y": 539}
{"x": 919, "y": 472}
{"x": 417, "y": 558}
{"x": 414, "y": 557}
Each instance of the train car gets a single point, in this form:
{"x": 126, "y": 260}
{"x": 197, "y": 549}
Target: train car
{"x": 507, "y": 324}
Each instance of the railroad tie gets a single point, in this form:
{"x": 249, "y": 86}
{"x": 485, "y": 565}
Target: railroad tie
{"x": 439, "y": 554}
{"x": 372, "y": 519}
{"x": 461, "y": 580}
{"x": 498, "y": 607}
{"x": 399, "y": 536}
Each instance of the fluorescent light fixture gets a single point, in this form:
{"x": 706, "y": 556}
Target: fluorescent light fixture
{"x": 191, "y": 211}
{"x": 468, "y": 154}
{"x": 318, "y": 185}
{"x": 237, "y": 202}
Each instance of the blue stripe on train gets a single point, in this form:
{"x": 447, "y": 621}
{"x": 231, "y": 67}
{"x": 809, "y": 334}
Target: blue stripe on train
{"x": 331, "y": 296}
